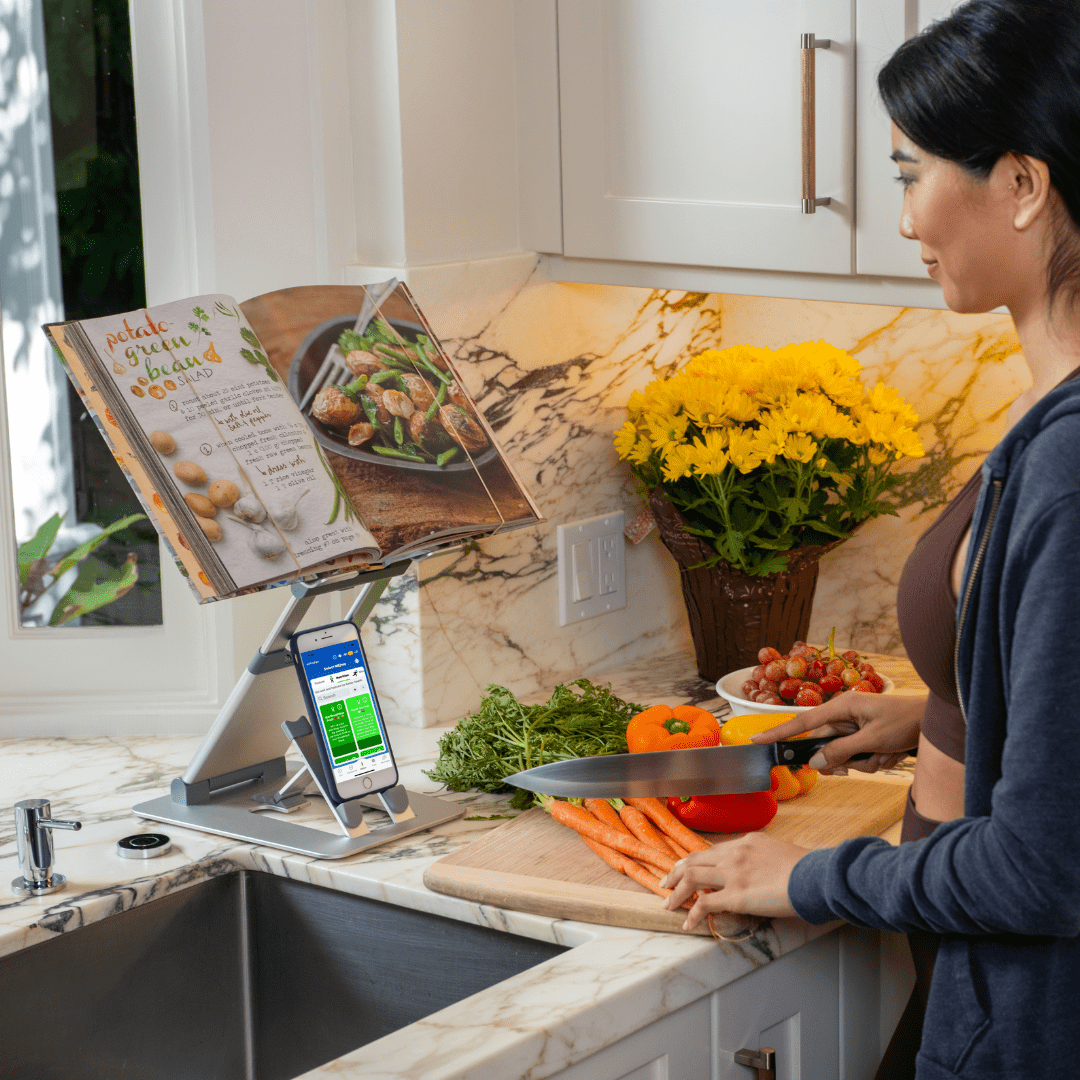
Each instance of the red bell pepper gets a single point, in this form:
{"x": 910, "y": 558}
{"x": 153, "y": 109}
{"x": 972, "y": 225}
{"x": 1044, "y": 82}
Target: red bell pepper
{"x": 726, "y": 813}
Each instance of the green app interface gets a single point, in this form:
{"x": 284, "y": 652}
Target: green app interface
{"x": 342, "y": 694}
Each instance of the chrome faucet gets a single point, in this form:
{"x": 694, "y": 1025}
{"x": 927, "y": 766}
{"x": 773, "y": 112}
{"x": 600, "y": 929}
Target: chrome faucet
{"x": 33, "y": 825}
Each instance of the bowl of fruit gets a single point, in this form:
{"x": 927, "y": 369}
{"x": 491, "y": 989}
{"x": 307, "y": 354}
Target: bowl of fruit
{"x": 800, "y": 679}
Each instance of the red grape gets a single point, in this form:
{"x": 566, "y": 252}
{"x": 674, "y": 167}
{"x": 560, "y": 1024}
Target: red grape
{"x": 774, "y": 670}
{"x": 790, "y": 687}
{"x": 806, "y": 676}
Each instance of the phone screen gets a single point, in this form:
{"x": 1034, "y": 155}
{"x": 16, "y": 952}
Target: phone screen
{"x": 342, "y": 693}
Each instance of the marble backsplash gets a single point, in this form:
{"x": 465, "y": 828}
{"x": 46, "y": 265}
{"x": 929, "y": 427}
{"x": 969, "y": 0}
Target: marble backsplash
{"x": 553, "y": 366}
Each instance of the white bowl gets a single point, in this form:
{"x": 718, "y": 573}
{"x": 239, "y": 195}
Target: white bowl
{"x": 730, "y": 688}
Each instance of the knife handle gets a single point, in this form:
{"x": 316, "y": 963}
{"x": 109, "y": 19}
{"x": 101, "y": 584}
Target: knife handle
{"x": 800, "y": 751}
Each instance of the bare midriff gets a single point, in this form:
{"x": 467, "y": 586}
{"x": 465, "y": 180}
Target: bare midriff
{"x": 938, "y": 787}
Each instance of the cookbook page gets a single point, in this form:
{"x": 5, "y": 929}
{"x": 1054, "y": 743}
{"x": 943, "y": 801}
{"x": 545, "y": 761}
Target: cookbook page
{"x": 393, "y": 416}
{"x": 142, "y": 484}
{"x": 196, "y": 381}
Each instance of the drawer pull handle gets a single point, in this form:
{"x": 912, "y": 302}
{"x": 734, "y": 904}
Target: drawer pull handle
{"x": 764, "y": 1060}
{"x": 810, "y": 201}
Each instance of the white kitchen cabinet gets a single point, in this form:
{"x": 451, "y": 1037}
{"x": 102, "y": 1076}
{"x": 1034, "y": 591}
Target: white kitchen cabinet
{"x": 681, "y": 132}
{"x": 659, "y": 144}
{"x": 794, "y": 1005}
{"x": 879, "y": 247}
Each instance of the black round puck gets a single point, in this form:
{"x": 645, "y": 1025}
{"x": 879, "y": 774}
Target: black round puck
{"x": 143, "y": 846}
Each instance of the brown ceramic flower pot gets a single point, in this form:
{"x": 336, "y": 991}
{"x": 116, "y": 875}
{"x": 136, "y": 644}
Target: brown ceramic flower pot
{"x": 732, "y": 615}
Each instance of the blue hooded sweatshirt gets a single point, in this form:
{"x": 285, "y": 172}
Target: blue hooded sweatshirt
{"x": 1002, "y": 883}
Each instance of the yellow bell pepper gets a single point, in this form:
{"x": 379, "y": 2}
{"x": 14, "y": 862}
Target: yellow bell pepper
{"x": 739, "y": 729}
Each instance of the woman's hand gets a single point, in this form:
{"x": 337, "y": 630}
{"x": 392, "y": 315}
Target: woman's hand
{"x": 885, "y": 725}
{"x": 749, "y": 876}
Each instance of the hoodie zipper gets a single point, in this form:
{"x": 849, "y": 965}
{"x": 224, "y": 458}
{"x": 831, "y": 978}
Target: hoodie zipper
{"x": 984, "y": 539}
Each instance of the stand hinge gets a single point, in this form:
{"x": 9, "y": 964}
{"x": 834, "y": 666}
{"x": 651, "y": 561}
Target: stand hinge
{"x": 764, "y": 1060}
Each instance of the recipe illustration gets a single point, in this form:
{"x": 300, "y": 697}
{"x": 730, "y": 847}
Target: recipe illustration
{"x": 293, "y": 434}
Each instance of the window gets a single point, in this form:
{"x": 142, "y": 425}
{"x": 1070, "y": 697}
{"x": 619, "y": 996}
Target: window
{"x": 71, "y": 247}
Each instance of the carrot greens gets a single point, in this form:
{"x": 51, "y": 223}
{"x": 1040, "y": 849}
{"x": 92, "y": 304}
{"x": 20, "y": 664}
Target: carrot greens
{"x": 503, "y": 736}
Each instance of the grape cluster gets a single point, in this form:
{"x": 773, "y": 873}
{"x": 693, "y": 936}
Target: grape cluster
{"x": 807, "y": 676}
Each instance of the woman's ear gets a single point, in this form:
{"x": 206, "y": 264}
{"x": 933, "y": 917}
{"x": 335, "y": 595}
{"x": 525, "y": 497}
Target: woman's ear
{"x": 1028, "y": 188}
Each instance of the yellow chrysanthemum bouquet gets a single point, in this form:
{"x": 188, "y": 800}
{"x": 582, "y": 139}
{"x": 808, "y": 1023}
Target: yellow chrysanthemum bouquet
{"x": 764, "y": 451}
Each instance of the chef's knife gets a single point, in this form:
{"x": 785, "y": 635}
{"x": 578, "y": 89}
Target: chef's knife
{"x": 707, "y": 770}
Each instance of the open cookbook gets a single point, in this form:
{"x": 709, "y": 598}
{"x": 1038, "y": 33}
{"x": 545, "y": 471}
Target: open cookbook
{"x": 292, "y": 435}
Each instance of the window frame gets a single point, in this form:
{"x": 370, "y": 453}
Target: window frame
{"x": 74, "y": 681}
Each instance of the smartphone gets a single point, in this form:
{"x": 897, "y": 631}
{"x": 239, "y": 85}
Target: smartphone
{"x": 344, "y": 711}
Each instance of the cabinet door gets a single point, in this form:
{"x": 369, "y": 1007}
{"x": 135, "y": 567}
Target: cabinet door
{"x": 791, "y": 1005}
{"x": 676, "y": 1047}
{"x": 681, "y": 132}
{"x": 879, "y": 248}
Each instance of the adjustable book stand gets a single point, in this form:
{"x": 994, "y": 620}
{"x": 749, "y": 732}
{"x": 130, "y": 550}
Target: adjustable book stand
{"x": 238, "y": 784}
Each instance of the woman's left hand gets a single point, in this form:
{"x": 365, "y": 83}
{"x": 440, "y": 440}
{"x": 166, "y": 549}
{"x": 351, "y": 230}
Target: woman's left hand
{"x": 749, "y": 876}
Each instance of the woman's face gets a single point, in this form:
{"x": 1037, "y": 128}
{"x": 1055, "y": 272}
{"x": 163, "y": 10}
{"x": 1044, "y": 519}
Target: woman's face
{"x": 963, "y": 226}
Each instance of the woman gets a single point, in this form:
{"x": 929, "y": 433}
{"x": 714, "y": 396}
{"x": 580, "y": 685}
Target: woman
{"x": 986, "y": 111}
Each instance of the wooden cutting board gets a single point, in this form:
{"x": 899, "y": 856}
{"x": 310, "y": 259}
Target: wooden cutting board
{"x": 535, "y": 864}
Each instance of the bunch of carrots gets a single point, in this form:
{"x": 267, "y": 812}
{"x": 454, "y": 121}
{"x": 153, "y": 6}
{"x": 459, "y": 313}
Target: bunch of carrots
{"x": 641, "y": 838}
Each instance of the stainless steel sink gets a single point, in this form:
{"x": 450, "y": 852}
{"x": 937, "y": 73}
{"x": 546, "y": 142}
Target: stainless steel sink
{"x": 245, "y": 977}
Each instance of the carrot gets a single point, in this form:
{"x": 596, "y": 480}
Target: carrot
{"x": 642, "y": 828}
{"x": 581, "y": 821}
{"x": 680, "y": 851}
{"x": 671, "y": 826}
{"x": 630, "y": 868}
{"x": 602, "y": 809}
{"x": 627, "y": 866}
{"x": 649, "y": 865}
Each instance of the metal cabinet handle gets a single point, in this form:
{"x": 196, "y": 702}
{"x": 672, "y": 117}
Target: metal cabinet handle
{"x": 810, "y": 201}
{"x": 763, "y": 1060}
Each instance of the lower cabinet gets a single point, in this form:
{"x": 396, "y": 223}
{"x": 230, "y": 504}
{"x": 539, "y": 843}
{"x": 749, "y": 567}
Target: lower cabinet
{"x": 817, "y": 1007}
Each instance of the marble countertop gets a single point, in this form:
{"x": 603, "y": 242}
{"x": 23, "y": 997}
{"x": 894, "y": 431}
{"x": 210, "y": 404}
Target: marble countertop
{"x": 611, "y": 983}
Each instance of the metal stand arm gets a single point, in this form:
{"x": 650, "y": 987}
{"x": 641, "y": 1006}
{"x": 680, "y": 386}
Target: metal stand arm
{"x": 245, "y": 741}
{"x": 241, "y": 761}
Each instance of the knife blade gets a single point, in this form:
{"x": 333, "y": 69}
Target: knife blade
{"x": 706, "y": 770}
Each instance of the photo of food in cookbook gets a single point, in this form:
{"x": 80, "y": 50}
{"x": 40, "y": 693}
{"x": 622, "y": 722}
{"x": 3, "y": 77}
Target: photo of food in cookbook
{"x": 384, "y": 389}
{"x": 385, "y": 404}
{"x": 299, "y": 432}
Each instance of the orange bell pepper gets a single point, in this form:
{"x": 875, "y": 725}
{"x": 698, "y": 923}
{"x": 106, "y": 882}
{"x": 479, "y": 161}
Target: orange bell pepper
{"x": 664, "y": 728}
{"x": 738, "y": 729}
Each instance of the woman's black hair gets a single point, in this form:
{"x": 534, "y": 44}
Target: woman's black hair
{"x": 998, "y": 77}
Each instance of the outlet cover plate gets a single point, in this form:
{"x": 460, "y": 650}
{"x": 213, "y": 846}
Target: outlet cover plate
{"x": 592, "y": 567}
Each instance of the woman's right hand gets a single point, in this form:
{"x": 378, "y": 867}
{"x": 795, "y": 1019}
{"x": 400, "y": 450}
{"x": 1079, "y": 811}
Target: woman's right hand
{"x": 884, "y": 725}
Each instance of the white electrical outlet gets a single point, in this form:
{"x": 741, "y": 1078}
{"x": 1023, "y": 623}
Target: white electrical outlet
{"x": 592, "y": 567}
